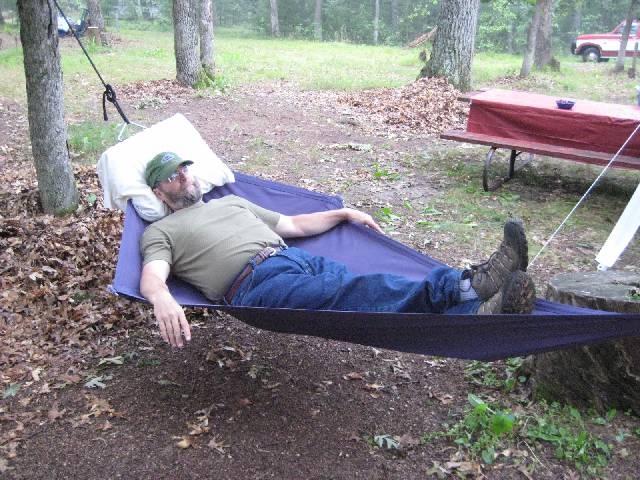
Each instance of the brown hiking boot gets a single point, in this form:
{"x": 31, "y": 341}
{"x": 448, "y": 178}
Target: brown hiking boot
{"x": 517, "y": 295}
{"x": 512, "y": 255}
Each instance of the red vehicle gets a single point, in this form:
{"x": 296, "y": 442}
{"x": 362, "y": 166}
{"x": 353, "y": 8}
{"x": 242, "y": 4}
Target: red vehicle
{"x": 595, "y": 47}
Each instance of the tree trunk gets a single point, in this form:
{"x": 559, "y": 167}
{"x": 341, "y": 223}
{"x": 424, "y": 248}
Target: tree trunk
{"x": 395, "y": 15}
{"x": 453, "y": 45}
{"x": 376, "y": 22}
{"x": 47, "y": 129}
{"x": 317, "y": 21}
{"x": 95, "y": 19}
{"x": 622, "y": 52}
{"x": 576, "y": 18}
{"x": 206, "y": 38}
{"x": 511, "y": 37}
{"x": 185, "y": 39}
{"x": 2, "y": 22}
{"x": 275, "y": 22}
{"x": 543, "y": 51}
{"x": 527, "y": 61}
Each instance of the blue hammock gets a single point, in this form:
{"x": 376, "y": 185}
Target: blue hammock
{"x": 551, "y": 325}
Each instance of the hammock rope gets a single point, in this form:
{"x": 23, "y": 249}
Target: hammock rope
{"x": 586, "y": 194}
{"x": 109, "y": 94}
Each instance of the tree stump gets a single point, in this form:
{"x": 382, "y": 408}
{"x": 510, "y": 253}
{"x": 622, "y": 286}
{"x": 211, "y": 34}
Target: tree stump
{"x": 605, "y": 375}
{"x": 93, "y": 35}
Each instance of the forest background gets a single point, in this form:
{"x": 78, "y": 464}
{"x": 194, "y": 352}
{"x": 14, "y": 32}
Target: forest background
{"x": 502, "y": 24}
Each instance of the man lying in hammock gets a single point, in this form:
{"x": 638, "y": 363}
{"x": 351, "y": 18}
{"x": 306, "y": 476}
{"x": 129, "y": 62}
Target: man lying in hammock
{"x": 234, "y": 252}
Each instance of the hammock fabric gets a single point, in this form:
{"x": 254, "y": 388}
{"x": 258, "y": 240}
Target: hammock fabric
{"x": 551, "y": 325}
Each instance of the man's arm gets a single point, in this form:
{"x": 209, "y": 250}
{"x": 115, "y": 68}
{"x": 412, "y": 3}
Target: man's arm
{"x": 169, "y": 314}
{"x": 308, "y": 224}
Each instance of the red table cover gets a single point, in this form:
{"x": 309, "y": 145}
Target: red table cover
{"x": 595, "y": 126}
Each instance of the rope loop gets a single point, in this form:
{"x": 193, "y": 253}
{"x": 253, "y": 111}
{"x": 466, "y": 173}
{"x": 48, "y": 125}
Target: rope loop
{"x": 110, "y": 96}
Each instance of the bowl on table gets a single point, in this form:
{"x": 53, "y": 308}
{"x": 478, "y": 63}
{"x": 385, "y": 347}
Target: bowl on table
{"x": 564, "y": 104}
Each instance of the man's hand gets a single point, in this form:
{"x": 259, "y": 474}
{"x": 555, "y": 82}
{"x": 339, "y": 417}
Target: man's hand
{"x": 169, "y": 314}
{"x": 171, "y": 320}
{"x": 356, "y": 216}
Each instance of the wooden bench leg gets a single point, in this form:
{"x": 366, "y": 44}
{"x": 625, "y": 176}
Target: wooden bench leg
{"x": 512, "y": 169}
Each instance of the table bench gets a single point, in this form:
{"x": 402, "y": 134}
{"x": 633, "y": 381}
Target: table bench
{"x": 524, "y": 122}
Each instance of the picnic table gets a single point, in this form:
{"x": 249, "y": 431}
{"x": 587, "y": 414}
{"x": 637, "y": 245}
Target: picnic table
{"x": 591, "y": 132}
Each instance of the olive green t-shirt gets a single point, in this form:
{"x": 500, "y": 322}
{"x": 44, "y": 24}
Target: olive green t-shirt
{"x": 208, "y": 244}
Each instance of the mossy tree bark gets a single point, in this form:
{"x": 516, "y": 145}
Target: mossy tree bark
{"x": 543, "y": 52}
{"x": 624, "y": 39}
{"x": 185, "y": 39}
{"x": 206, "y": 38}
{"x": 532, "y": 35}
{"x": 47, "y": 128}
{"x": 275, "y": 19}
{"x": 95, "y": 19}
{"x": 453, "y": 45}
{"x": 317, "y": 21}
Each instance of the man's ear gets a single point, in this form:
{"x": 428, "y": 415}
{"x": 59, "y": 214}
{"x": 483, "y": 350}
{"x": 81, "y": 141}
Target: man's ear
{"x": 159, "y": 193}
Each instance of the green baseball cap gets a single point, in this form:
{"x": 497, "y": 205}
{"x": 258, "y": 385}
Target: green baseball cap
{"x": 162, "y": 167}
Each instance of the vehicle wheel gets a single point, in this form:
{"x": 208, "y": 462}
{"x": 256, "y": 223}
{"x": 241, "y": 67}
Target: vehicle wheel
{"x": 591, "y": 54}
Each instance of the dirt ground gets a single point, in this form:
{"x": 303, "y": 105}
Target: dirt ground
{"x": 238, "y": 402}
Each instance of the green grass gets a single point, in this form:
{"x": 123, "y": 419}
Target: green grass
{"x": 594, "y": 81}
{"x": 244, "y": 57}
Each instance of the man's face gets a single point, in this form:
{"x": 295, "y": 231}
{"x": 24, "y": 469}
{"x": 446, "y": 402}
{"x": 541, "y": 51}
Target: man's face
{"x": 181, "y": 190}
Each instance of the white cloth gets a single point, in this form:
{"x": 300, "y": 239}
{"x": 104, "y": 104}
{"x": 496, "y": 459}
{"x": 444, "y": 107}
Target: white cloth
{"x": 622, "y": 233}
{"x": 121, "y": 168}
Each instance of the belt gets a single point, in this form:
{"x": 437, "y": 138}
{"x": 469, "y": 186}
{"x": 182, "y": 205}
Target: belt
{"x": 254, "y": 261}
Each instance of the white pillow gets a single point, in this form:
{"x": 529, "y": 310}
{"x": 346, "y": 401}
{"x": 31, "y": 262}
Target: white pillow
{"x": 121, "y": 168}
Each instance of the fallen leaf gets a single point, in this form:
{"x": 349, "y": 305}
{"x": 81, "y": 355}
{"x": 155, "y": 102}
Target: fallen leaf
{"x": 105, "y": 426}
{"x": 54, "y": 413}
{"x": 217, "y": 445}
{"x": 408, "y": 440}
{"x": 95, "y": 382}
{"x": 185, "y": 442}
{"x": 466, "y": 468}
{"x": 119, "y": 360}
{"x": 374, "y": 387}
{"x": 11, "y": 390}
{"x": 353, "y": 376}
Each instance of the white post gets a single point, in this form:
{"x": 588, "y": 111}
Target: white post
{"x": 621, "y": 234}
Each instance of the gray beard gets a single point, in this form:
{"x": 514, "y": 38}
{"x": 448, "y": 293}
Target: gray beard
{"x": 185, "y": 199}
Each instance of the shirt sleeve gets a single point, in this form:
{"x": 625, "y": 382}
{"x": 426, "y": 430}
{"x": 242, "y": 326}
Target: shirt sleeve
{"x": 155, "y": 245}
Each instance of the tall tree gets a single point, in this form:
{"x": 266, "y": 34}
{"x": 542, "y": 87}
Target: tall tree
{"x": 2, "y": 21}
{"x": 317, "y": 21}
{"x": 622, "y": 52}
{"x": 395, "y": 15}
{"x": 95, "y": 19}
{"x": 206, "y": 38}
{"x": 47, "y": 129}
{"x": 452, "y": 52}
{"x": 275, "y": 19}
{"x": 543, "y": 52}
{"x": 575, "y": 16}
{"x": 376, "y": 22}
{"x": 185, "y": 40}
{"x": 532, "y": 34}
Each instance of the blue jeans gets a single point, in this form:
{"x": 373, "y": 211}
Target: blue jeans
{"x": 296, "y": 279}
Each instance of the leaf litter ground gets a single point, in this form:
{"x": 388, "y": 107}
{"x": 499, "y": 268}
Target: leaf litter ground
{"x": 90, "y": 391}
